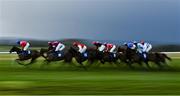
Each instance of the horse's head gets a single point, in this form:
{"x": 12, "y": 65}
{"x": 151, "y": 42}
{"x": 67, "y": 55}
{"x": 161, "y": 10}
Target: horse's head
{"x": 73, "y": 50}
{"x": 15, "y": 49}
{"x": 97, "y": 45}
{"x": 50, "y": 48}
{"x": 70, "y": 50}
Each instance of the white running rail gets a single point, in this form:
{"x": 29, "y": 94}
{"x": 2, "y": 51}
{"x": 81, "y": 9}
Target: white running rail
{"x": 171, "y": 52}
{"x": 6, "y": 52}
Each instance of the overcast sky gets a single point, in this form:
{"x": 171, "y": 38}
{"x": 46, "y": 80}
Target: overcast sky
{"x": 155, "y": 20}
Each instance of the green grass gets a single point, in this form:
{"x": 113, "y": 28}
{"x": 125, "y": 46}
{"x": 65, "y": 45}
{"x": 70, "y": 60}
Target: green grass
{"x": 59, "y": 78}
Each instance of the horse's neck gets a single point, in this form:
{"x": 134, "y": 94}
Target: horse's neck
{"x": 97, "y": 46}
{"x": 72, "y": 50}
{"x": 18, "y": 50}
{"x": 50, "y": 48}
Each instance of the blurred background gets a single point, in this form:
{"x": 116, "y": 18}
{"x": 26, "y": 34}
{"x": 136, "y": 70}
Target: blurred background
{"x": 114, "y": 21}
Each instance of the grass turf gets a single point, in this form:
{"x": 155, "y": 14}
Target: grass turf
{"x": 59, "y": 78}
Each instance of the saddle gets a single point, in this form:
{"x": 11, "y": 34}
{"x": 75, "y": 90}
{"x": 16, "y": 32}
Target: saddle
{"x": 25, "y": 53}
{"x": 113, "y": 55}
{"x": 85, "y": 54}
{"x": 58, "y": 53}
{"x": 143, "y": 55}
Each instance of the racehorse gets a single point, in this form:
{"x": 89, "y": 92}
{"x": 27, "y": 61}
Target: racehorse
{"x": 80, "y": 58}
{"x": 34, "y": 54}
{"x": 133, "y": 57}
{"x": 52, "y": 56}
{"x": 67, "y": 57}
{"x": 129, "y": 56}
{"x": 158, "y": 58}
{"x": 104, "y": 56}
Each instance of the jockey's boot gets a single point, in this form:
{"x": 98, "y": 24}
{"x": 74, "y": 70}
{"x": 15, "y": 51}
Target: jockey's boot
{"x": 59, "y": 53}
{"x": 145, "y": 56}
{"x": 112, "y": 55}
{"x": 85, "y": 54}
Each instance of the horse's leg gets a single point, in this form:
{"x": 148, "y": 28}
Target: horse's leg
{"x": 140, "y": 63}
{"x": 17, "y": 60}
{"x": 67, "y": 63}
{"x": 163, "y": 61}
{"x": 147, "y": 65}
{"x": 81, "y": 64}
{"x": 102, "y": 61}
{"x": 167, "y": 65}
{"x": 90, "y": 62}
{"x": 159, "y": 65}
{"x": 97, "y": 63}
{"x": 32, "y": 61}
{"x": 117, "y": 64}
{"x": 130, "y": 65}
{"x": 68, "y": 60}
{"x": 79, "y": 61}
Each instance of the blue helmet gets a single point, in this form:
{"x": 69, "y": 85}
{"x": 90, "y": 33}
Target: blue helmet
{"x": 130, "y": 45}
{"x": 18, "y": 42}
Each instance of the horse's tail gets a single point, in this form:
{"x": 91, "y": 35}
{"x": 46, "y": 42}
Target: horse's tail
{"x": 167, "y": 57}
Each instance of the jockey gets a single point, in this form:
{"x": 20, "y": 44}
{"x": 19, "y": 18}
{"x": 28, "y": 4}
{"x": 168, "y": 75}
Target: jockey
{"x": 81, "y": 47}
{"x": 25, "y": 45}
{"x": 143, "y": 48}
{"x": 130, "y": 45}
{"x": 131, "y": 48}
{"x": 110, "y": 47}
{"x": 100, "y": 46}
{"x": 57, "y": 46}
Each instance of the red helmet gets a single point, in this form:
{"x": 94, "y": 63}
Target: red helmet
{"x": 94, "y": 42}
{"x": 75, "y": 43}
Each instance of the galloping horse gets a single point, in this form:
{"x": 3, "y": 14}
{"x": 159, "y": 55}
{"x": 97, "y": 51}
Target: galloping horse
{"x": 105, "y": 56}
{"x": 51, "y": 56}
{"x": 33, "y": 55}
{"x": 129, "y": 56}
{"x": 132, "y": 56}
{"x": 78, "y": 56}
